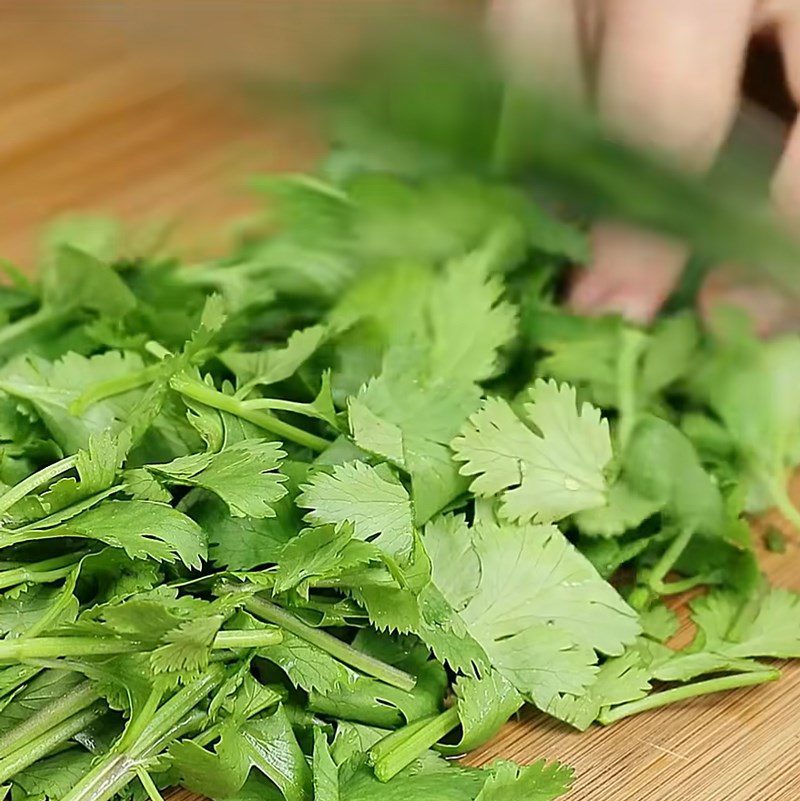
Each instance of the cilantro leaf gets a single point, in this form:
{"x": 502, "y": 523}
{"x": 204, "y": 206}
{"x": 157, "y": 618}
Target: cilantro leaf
{"x": 372, "y": 499}
{"x": 144, "y": 529}
{"x": 545, "y": 474}
{"x": 538, "y": 782}
{"x": 320, "y": 553}
{"x": 272, "y": 365}
{"x": 244, "y": 475}
{"x": 773, "y": 631}
{"x": 411, "y": 423}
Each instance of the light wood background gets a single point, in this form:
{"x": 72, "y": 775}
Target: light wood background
{"x": 88, "y": 122}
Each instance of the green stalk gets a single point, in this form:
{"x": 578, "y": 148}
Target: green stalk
{"x": 631, "y": 349}
{"x": 226, "y": 403}
{"x": 141, "y": 720}
{"x": 32, "y": 482}
{"x": 686, "y": 691}
{"x": 400, "y": 748}
{"x": 20, "y": 649}
{"x": 368, "y": 665}
{"x": 668, "y": 559}
{"x": 258, "y": 638}
{"x": 44, "y": 719}
{"x": 43, "y": 572}
{"x": 117, "y": 770}
{"x": 12, "y": 678}
{"x": 683, "y": 585}
{"x": 148, "y": 784}
{"x": 48, "y": 741}
{"x": 783, "y": 503}
{"x": 114, "y": 386}
{"x": 41, "y": 318}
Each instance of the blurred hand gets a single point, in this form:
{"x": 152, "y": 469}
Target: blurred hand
{"x": 668, "y": 78}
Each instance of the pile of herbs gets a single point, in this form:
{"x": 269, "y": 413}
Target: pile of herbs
{"x": 308, "y": 520}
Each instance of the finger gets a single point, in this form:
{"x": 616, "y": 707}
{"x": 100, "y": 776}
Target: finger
{"x": 770, "y": 310}
{"x": 670, "y": 73}
{"x": 786, "y": 183}
{"x": 540, "y": 41}
{"x": 669, "y": 78}
{"x": 632, "y": 273}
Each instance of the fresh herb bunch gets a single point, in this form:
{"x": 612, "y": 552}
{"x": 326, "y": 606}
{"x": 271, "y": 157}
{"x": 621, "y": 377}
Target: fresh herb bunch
{"x": 304, "y": 521}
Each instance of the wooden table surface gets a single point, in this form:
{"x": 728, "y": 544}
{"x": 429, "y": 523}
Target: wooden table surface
{"x": 91, "y": 124}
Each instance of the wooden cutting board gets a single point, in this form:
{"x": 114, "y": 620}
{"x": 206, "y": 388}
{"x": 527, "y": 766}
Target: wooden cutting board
{"x": 90, "y": 125}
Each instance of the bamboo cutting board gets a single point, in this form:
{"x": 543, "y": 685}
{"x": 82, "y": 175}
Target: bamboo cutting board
{"x": 88, "y": 125}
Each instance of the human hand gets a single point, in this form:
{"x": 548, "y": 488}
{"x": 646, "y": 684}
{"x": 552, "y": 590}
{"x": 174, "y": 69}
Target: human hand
{"x": 668, "y": 78}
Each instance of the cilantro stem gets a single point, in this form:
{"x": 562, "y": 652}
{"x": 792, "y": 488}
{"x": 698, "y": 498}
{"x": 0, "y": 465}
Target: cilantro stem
{"x": 29, "y": 484}
{"x": 76, "y": 700}
{"x": 39, "y": 572}
{"x": 201, "y": 393}
{"x": 682, "y": 693}
{"x": 368, "y": 665}
{"x": 258, "y": 638}
{"x": 48, "y": 741}
{"x": 116, "y": 771}
{"x": 114, "y": 386}
{"x": 667, "y": 561}
{"x": 683, "y": 585}
{"x": 400, "y": 748}
{"x": 42, "y": 317}
{"x": 783, "y": 503}
{"x": 141, "y": 720}
{"x": 631, "y": 348}
{"x": 148, "y": 784}
{"x": 19, "y": 649}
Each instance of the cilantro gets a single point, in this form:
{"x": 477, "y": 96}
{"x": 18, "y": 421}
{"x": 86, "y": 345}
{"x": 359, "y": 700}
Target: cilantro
{"x": 543, "y": 474}
{"x": 371, "y": 498}
{"x": 243, "y": 475}
{"x": 306, "y": 519}
{"x": 775, "y": 540}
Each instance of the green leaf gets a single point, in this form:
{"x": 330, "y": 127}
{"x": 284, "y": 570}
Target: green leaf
{"x": 96, "y": 467}
{"x": 774, "y": 630}
{"x": 53, "y": 777}
{"x": 271, "y": 747}
{"x": 541, "y": 781}
{"x": 188, "y": 646}
{"x": 746, "y": 384}
{"x": 52, "y": 387}
{"x": 469, "y": 323}
{"x": 410, "y": 422}
{"x": 42, "y": 690}
{"x": 621, "y": 679}
{"x": 144, "y": 529}
{"x": 543, "y": 474}
{"x": 217, "y": 775}
{"x": 243, "y": 543}
{"x": 484, "y": 706}
{"x": 325, "y": 770}
{"x": 537, "y": 616}
{"x": 26, "y": 607}
{"x": 307, "y": 666}
{"x": 447, "y": 784}
{"x": 244, "y": 475}
{"x": 374, "y": 703}
{"x": 624, "y": 510}
{"x": 79, "y": 280}
{"x": 321, "y": 553}
{"x": 370, "y": 498}
{"x": 272, "y": 365}
{"x": 676, "y": 480}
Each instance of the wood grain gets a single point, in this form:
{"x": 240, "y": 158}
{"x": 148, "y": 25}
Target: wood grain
{"x": 90, "y": 124}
